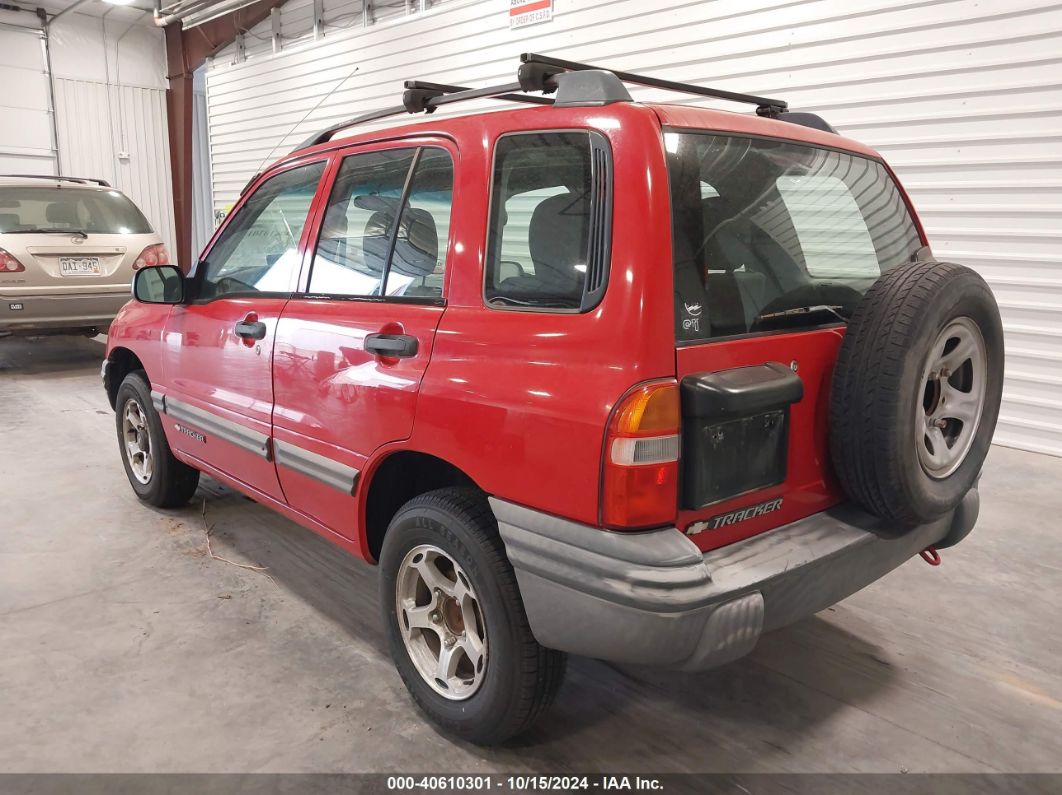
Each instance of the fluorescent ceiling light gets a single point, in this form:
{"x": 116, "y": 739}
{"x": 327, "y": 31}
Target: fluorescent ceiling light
{"x": 119, "y": 2}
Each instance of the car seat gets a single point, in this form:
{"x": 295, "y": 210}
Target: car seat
{"x": 557, "y": 241}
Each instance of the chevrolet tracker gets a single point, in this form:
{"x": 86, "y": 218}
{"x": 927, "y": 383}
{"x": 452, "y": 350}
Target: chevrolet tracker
{"x": 633, "y": 381}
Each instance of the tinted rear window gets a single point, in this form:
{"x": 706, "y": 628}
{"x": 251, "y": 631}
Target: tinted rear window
{"x": 770, "y": 234}
{"x": 29, "y": 210}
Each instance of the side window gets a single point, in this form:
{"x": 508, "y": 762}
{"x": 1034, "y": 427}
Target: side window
{"x": 259, "y": 249}
{"x": 550, "y": 199}
{"x": 419, "y": 261}
{"x": 361, "y": 248}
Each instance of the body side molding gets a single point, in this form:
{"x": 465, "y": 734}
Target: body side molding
{"x": 313, "y": 465}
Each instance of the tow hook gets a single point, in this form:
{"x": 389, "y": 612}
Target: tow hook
{"x": 930, "y": 556}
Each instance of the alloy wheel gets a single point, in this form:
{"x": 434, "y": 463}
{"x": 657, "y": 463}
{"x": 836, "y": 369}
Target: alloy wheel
{"x": 441, "y": 622}
{"x": 137, "y": 438}
{"x": 954, "y": 382}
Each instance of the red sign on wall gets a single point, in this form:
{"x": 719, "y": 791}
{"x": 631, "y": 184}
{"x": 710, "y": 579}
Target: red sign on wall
{"x": 529, "y": 12}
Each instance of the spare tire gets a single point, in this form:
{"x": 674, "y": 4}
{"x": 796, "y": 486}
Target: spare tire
{"x": 916, "y": 391}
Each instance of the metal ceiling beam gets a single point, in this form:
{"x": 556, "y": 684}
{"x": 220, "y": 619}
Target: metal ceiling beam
{"x": 186, "y": 51}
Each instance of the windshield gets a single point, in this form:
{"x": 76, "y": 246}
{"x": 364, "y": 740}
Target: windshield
{"x": 770, "y": 234}
{"x": 36, "y": 210}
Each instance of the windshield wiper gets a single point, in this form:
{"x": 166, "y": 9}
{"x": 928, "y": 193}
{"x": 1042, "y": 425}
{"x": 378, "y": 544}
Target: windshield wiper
{"x": 800, "y": 312}
{"x": 42, "y": 231}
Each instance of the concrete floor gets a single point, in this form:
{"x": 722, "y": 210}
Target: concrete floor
{"x": 126, "y": 648}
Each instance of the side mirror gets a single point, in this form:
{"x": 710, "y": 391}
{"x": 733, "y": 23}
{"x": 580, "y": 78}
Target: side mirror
{"x": 159, "y": 284}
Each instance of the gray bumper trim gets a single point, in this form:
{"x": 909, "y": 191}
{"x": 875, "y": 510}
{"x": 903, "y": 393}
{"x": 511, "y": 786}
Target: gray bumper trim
{"x": 654, "y": 598}
{"x": 321, "y": 468}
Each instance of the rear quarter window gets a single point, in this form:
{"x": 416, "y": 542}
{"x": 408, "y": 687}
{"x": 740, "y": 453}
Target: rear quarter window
{"x": 550, "y": 222}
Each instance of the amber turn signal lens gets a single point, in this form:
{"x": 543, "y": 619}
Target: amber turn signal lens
{"x": 653, "y": 408}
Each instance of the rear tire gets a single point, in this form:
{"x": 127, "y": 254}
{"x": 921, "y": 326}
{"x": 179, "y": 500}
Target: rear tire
{"x": 916, "y": 391}
{"x": 452, "y": 533}
{"x": 156, "y": 476}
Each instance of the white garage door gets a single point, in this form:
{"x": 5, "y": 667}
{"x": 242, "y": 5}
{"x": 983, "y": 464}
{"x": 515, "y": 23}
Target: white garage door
{"x": 964, "y": 97}
{"x": 25, "y": 118}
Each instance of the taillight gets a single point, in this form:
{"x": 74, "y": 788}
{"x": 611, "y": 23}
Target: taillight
{"x": 641, "y": 471}
{"x": 8, "y": 263}
{"x": 152, "y": 255}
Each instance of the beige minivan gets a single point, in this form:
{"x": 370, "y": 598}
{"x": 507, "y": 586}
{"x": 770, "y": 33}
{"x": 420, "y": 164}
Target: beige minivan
{"x": 68, "y": 250}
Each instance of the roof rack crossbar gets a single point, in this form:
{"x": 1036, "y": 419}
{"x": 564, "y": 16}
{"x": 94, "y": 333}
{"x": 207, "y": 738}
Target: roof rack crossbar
{"x": 56, "y": 178}
{"x": 765, "y": 105}
{"x": 444, "y": 88}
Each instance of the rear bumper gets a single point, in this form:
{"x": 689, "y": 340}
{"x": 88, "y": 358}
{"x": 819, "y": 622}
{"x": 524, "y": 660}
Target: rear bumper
{"x": 55, "y": 312}
{"x": 654, "y": 599}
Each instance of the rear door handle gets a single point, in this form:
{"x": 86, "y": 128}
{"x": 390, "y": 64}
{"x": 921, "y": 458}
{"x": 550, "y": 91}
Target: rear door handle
{"x": 400, "y": 346}
{"x": 251, "y": 329}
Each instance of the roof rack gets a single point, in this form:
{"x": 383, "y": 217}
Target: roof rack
{"x": 547, "y": 75}
{"x": 81, "y": 180}
{"x": 765, "y": 106}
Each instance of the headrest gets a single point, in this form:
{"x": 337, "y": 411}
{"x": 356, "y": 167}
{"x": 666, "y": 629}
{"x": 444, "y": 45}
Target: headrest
{"x": 61, "y": 213}
{"x": 374, "y": 242}
{"x": 557, "y": 241}
{"x": 9, "y": 221}
{"x": 417, "y": 247}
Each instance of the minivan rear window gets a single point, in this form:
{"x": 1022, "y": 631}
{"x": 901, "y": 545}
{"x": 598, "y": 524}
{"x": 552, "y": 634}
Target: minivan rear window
{"x": 30, "y": 210}
{"x": 771, "y": 235}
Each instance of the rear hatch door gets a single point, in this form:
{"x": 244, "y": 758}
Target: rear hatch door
{"x": 774, "y": 242}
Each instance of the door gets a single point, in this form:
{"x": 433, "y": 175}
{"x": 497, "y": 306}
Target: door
{"x": 775, "y": 244}
{"x": 352, "y": 348}
{"x": 218, "y": 349}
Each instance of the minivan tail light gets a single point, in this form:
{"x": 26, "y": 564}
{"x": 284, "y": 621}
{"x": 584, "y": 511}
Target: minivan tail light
{"x": 641, "y": 469}
{"x": 9, "y": 264}
{"x": 155, "y": 254}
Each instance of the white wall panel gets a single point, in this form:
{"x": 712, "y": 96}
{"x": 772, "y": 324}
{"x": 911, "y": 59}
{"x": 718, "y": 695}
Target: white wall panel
{"x": 202, "y": 202}
{"x": 26, "y": 145}
{"x": 99, "y": 123}
{"x": 964, "y": 97}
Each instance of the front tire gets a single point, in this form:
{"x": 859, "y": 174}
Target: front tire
{"x": 457, "y": 628}
{"x": 156, "y": 476}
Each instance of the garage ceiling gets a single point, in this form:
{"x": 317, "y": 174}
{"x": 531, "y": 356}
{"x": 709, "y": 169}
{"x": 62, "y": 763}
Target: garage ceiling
{"x": 96, "y": 8}
{"x": 190, "y": 12}
{"x": 196, "y": 12}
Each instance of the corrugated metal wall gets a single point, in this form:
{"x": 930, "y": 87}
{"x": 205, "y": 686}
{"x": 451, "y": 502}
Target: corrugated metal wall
{"x": 964, "y": 97}
{"x": 202, "y": 202}
{"x": 99, "y": 123}
{"x": 25, "y": 108}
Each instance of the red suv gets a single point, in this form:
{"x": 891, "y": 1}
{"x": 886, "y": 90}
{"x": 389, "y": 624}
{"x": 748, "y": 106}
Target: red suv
{"x": 633, "y": 381}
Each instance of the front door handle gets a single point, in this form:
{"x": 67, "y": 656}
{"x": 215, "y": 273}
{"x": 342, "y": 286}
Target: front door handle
{"x": 399, "y": 346}
{"x": 251, "y": 329}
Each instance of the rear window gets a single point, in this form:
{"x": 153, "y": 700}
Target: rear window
{"x": 33, "y": 210}
{"x": 771, "y": 234}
